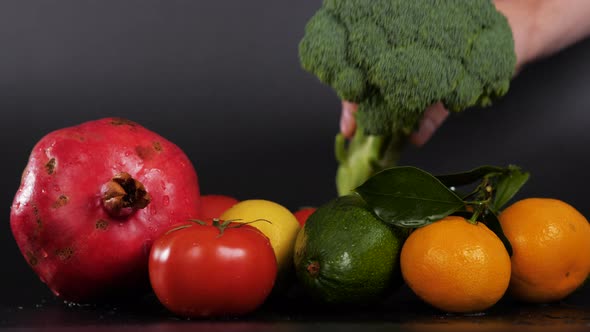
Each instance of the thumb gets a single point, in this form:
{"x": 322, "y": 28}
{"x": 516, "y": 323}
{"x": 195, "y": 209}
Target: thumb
{"x": 347, "y": 121}
{"x": 433, "y": 117}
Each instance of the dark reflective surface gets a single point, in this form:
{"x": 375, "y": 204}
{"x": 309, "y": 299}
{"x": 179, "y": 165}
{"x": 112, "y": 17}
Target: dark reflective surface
{"x": 294, "y": 312}
{"x": 222, "y": 80}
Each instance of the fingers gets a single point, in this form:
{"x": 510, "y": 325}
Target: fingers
{"x": 433, "y": 117}
{"x": 347, "y": 121}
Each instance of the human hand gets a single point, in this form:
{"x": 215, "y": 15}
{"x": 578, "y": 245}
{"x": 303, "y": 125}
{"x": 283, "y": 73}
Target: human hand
{"x": 565, "y": 23}
{"x": 433, "y": 117}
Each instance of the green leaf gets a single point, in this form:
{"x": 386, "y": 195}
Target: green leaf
{"x": 465, "y": 178}
{"x": 408, "y": 197}
{"x": 508, "y": 185}
{"x": 491, "y": 220}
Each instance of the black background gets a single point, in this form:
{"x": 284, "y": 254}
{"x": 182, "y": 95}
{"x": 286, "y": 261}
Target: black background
{"x": 222, "y": 80}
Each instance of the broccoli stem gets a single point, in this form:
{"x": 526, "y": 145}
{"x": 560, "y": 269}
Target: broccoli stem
{"x": 364, "y": 155}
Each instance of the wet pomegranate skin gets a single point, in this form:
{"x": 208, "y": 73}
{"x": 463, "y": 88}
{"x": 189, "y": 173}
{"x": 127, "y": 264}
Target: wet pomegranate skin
{"x": 92, "y": 200}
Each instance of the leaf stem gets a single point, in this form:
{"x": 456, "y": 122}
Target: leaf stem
{"x": 473, "y": 219}
{"x": 478, "y": 203}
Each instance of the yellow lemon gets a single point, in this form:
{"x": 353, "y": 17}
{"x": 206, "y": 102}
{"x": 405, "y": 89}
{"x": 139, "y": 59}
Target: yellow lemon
{"x": 273, "y": 220}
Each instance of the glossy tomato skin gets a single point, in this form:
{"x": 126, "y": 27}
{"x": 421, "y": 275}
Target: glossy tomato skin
{"x": 304, "y": 213}
{"x": 196, "y": 271}
{"x": 212, "y": 206}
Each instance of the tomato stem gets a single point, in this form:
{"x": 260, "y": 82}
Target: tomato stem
{"x": 177, "y": 228}
{"x": 222, "y": 225}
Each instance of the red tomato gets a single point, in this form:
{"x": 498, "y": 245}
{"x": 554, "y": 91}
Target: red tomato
{"x": 212, "y": 206}
{"x": 304, "y": 213}
{"x": 200, "y": 270}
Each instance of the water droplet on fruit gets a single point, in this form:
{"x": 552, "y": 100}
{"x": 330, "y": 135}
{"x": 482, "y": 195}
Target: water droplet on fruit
{"x": 43, "y": 191}
{"x": 56, "y": 293}
{"x": 43, "y": 253}
{"x": 166, "y": 200}
{"x": 17, "y": 205}
{"x": 127, "y": 153}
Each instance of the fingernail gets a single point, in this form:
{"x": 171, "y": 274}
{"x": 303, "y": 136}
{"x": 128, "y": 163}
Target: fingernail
{"x": 345, "y": 122}
{"x": 421, "y": 136}
{"x": 427, "y": 126}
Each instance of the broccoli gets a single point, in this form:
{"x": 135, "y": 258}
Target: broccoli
{"x": 394, "y": 58}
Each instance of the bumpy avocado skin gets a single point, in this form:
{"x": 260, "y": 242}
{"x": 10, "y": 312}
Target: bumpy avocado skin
{"x": 345, "y": 255}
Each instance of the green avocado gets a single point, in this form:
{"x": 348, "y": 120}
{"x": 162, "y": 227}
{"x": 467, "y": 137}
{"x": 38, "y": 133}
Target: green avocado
{"x": 346, "y": 255}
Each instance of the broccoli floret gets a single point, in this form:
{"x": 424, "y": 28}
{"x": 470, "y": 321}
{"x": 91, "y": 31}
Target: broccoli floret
{"x": 396, "y": 57}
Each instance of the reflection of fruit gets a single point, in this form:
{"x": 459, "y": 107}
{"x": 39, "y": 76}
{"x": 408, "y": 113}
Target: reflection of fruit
{"x": 213, "y": 206}
{"x": 551, "y": 248}
{"x": 274, "y": 220}
{"x": 456, "y": 266}
{"x": 345, "y": 255}
{"x": 303, "y": 213}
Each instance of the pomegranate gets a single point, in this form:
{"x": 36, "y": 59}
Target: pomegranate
{"x": 92, "y": 199}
